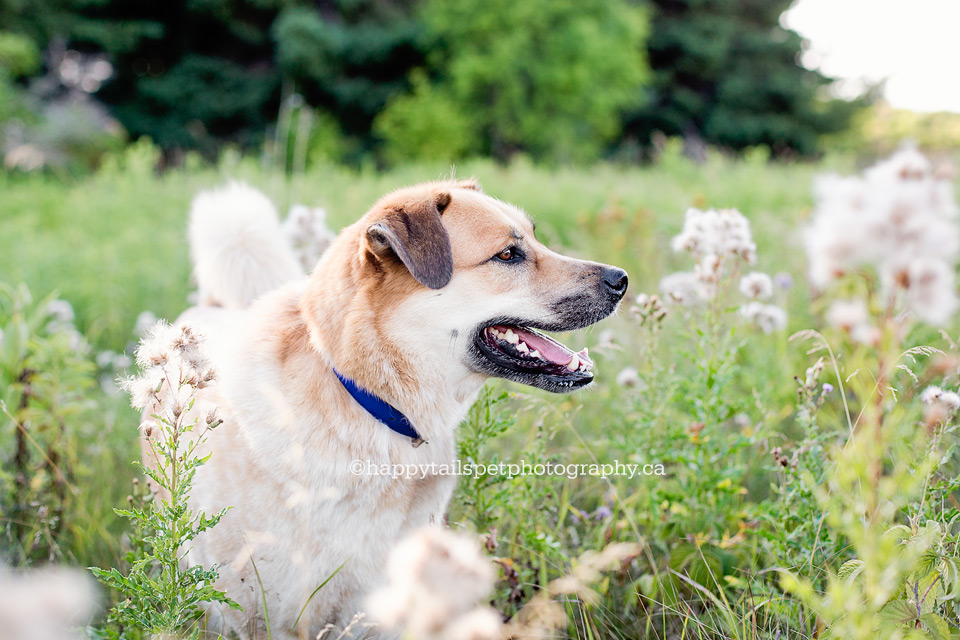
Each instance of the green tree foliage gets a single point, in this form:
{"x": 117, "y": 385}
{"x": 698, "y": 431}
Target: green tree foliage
{"x": 882, "y": 129}
{"x": 95, "y": 23}
{"x": 547, "y": 77}
{"x": 200, "y": 74}
{"x": 195, "y": 73}
{"x": 349, "y": 56}
{"x": 187, "y": 72}
{"x": 425, "y": 124}
{"x": 559, "y": 80}
{"x": 726, "y": 70}
{"x": 18, "y": 57}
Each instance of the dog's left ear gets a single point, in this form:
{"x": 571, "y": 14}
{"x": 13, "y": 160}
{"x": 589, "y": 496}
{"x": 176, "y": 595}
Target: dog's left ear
{"x": 415, "y": 234}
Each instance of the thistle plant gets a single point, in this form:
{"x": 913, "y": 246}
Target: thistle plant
{"x": 884, "y": 248}
{"x": 721, "y": 244}
{"x": 699, "y": 417}
{"x": 306, "y": 230}
{"x": 436, "y": 582}
{"x": 544, "y": 614}
{"x": 894, "y": 227}
{"x": 160, "y": 593}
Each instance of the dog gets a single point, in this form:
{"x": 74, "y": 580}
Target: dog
{"x": 376, "y": 357}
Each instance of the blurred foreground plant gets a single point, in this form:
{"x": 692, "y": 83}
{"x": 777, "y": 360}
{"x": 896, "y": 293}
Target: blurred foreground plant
{"x": 160, "y": 593}
{"x": 883, "y": 487}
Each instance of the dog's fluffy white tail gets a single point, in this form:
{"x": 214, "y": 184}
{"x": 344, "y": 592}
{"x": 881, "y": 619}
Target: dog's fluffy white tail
{"x": 239, "y": 251}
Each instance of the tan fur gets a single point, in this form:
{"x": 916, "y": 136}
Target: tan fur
{"x": 290, "y": 430}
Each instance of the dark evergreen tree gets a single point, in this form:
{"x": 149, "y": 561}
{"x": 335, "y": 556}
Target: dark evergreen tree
{"x": 187, "y": 73}
{"x": 727, "y": 72}
{"x": 194, "y": 73}
{"x": 349, "y": 56}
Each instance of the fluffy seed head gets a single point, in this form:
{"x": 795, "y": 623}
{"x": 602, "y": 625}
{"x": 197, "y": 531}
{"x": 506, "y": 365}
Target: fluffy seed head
{"x": 45, "y": 604}
{"x": 686, "y": 288}
{"x": 767, "y": 317}
{"x": 721, "y": 233}
{"x": 899, "y": 219}
{"x": 931, "y": 394}
{"x": 307, "y": 232}
{"x": 756, "y": 285}
{"x": 436, "y": 578}
{"x": 628, "y": 377}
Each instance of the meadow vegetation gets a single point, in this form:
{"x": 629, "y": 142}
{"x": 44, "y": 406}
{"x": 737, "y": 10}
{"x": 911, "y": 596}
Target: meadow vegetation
{"x": 809, "y": 485}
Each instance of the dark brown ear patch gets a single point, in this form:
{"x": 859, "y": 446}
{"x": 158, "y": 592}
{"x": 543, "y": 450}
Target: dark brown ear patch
{"x": 443, "y": 199}
{"x": 416, "y": 235}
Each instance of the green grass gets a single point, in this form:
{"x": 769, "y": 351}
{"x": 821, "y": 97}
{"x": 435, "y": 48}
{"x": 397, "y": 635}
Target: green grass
{"x": 114, "y": 245}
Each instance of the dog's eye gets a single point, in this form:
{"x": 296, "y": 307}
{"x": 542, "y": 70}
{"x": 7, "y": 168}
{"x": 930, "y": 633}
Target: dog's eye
{"x": 510, "y": 254}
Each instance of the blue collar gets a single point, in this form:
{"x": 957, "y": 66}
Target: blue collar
{"x": 380, "y": 409}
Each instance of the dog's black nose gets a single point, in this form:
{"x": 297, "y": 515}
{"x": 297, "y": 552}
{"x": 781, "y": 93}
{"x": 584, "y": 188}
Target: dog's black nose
{"x": 614, "y": 281}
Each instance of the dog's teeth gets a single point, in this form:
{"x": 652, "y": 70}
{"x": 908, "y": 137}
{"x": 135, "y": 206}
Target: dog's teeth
{"x": 511, "y": 337}
{"x": 536, "y": 354}
{"x": 523, "y": 348}
{"x": 574, "y": 363}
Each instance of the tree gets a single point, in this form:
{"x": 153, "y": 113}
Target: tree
{"x": 192, "y": 74}
{"x": 186, "y": 73}
{"x": 18, "y": 57}
{"x": 546, "y": 77}
{"x": 349, "y": 56}
{"x": 728, "y": 72}
{"x": 425, "y": 124}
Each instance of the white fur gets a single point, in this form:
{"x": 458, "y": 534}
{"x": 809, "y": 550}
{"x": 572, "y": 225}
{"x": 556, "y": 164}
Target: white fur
{"x": 238, "y": 249}
{"x": 298, "y": 510}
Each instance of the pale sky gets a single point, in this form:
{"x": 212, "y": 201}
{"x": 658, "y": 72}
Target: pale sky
{"x": 914, "y": 44}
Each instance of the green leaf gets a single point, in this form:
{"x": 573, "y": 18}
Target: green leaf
{"x": 849, "y": 571}
{"x": 898, "y": 532}
{"x": 951, "y": 579}
{"x": 937, "y": 626}
{"x": 929, "y": 589}
{"x": 648, "y": 585}
{"x": 898, "y": 612}
{"x": 320, "y": 586}
{"x": 927, "y": 563}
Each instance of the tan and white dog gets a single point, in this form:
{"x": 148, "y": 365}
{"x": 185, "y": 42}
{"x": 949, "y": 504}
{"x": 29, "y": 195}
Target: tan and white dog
{"x": 435, "y": 289}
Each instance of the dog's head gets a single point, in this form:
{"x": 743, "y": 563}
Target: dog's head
{"x": 456, "y": 279}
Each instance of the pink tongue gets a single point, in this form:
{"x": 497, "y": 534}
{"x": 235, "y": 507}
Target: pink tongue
{"x": 547, "y": 348}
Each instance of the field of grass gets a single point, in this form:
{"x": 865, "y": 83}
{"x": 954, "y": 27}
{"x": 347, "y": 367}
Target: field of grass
{"x": 114, "y": 245}
{"x": 766, "y": 494}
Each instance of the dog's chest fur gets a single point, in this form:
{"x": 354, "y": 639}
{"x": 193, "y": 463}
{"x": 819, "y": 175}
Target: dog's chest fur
{"x": 284, "y": 458}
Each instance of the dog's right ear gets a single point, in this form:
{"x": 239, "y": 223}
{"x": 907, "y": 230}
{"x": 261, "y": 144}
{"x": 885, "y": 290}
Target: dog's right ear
{"x": 415, "y": 234}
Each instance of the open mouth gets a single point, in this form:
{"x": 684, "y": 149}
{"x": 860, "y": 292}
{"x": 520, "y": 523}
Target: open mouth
{"x": 535, "y": 359}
